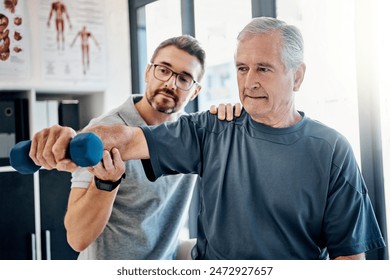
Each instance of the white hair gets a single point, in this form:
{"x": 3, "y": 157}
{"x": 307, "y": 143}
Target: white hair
{"x": 292, "y": 50}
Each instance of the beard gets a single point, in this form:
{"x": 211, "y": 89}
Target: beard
{"x": 163, "y": 100}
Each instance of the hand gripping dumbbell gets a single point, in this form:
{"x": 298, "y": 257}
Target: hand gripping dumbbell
{"x": 85, "y": 149}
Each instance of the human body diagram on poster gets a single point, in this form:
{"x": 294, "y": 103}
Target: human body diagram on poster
{"x": 63, "y": 14}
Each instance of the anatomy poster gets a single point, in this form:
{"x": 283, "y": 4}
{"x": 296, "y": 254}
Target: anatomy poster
{"x": 73, "y": 41}
{"x": 14, "y": 50}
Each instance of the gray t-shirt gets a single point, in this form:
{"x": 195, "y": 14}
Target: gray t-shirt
{"x": 269, "y": 193}
{"x": 147, "y": 217}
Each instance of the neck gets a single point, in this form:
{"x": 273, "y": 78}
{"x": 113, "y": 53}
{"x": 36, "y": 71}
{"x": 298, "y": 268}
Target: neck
{"x": 150, "y": 115}
{"x": 283, "y": 122}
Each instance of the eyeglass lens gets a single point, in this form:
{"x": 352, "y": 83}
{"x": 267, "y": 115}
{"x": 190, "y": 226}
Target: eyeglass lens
{"x": 164, "y": 74}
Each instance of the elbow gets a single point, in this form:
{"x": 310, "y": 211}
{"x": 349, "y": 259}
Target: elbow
{"x": 77, "y": 240}
{"x": 76, "y": 243}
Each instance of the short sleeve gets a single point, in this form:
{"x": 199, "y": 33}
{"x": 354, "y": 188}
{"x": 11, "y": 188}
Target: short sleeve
{"x": 81, "y": 178}
{"x": 350, "y": 223}
{"x": 174, "y": 147}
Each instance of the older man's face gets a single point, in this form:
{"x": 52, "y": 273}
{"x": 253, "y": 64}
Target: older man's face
{"x": 266, "y": 87}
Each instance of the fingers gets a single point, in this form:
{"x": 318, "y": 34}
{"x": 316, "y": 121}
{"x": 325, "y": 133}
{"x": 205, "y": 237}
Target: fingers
{"x": 107, "y": 163}
{"x": 61, "y": 144}
{"x": 48, "y": 147}
{"x": 66, "y": 165}
{"x": 111, "y": 168}
{"x": 118, "y": 162}
{"x": 237, "y": 109}
{"x": 213, "y": 109}
{"x": 37, "y": 144}
{"x": 222, "y": 109}
{"x": 40, "y": 151}
{"x": 226, "y": 111}
{"x": 230, "y": 111}
{"x": 51, "y": 151}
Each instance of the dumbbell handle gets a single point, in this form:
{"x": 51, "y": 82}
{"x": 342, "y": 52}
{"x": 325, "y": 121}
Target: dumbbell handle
{"x": 85, "y": 149}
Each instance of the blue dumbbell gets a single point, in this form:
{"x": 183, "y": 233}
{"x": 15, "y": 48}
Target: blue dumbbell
{"x": 85, "y": 149}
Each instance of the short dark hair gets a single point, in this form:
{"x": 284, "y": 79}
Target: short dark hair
{"x": 185, "y": 43}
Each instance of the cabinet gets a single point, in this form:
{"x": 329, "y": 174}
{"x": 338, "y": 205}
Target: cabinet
{"x": 33, "y": 206}
{"x": 17, "y": 234}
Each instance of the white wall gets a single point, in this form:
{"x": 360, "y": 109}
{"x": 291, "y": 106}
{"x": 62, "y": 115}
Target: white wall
{"x": 117, "y": 45}
{"x": 118, "y": 34}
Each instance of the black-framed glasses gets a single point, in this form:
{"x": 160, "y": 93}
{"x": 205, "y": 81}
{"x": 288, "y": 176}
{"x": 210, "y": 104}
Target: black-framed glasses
{"x": 164, "y": 73}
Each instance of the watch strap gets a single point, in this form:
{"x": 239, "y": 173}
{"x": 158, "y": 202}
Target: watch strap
{"x": 106, "y": 185}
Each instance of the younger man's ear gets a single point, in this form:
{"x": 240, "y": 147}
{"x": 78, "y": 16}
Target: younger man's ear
{"x": 148, "y": 68}
{"x": 196, "y": 92}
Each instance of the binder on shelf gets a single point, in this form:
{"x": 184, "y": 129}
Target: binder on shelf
{"x": 46, "y": 114}
{"x": 51, "y": 112}
{"x": 14, "y": 126}
{"x": 68, "y": 114}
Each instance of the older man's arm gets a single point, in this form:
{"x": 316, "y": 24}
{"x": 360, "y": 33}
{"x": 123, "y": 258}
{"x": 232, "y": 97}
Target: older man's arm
{"x": 130, "y": 141}
{"x": 48, "y": 147}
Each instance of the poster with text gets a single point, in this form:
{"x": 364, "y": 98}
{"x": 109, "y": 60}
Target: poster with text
{"x": 73, "y": 41}
{"x": 14, "y": 37}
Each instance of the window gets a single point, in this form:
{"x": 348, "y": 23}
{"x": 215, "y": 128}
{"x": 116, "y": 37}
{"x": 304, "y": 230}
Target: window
{"x": 328, "y": 92}
{"x": 156, "y": 22}
{"x": 384, "y": 88}
{"x": 346, "y": 57}
{"x": 217, "y": 29}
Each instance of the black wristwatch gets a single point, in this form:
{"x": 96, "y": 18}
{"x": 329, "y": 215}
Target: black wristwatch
{"x": 108, "y": 185}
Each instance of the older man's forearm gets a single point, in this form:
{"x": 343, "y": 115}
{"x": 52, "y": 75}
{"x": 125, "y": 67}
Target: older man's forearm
{"x": 130, "y": 141}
